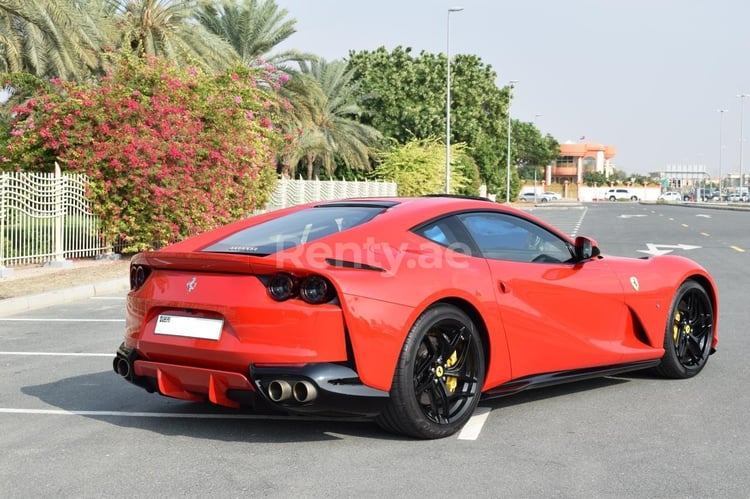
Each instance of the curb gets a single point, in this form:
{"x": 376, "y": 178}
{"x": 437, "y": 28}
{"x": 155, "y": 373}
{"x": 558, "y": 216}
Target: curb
{"x": 20, "y": 304}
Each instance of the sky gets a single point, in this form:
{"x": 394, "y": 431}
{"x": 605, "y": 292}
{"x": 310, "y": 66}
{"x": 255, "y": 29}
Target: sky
{"x": 645, "y": 76}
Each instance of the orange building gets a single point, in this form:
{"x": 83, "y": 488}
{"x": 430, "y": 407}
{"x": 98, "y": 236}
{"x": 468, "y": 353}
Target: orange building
{"x": 578, "y": 158}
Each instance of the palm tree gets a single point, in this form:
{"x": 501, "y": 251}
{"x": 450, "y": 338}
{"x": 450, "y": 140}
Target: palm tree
{"x": 168, "y": 28}
{"x": 330, "y": 129}
{"x": 253, "y": 27}
{"x": 51, "y": 38}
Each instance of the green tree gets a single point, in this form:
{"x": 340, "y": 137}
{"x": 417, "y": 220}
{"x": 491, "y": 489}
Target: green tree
{"x": 52, "y": 38}
{"x": 595, "y": 178}
{"x": 530, "y": 150}
{"x": 407, "y": 98}
{"x": 254, "y": 28}
{"x": 169, "y": 29}
{"x": 169, "y": 152}
{"x": 331, "y": 126}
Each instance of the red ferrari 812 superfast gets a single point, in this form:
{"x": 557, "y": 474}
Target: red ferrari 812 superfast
{"x": 406, "y": 310}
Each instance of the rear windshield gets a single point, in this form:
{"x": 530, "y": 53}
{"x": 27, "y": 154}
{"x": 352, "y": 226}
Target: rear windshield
{"x": 294, "y": 229}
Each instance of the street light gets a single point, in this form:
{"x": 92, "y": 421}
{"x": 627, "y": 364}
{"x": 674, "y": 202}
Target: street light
{"x": 536, "y": 167}
{"x": 507, "y": 170}
{"x": 448, "y": 101}
{"x": 721, "y": 143}
{"x": 742, "y": 138}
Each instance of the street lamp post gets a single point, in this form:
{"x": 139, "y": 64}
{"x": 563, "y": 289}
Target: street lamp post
{"x": 536, "y": 116}
{"x": 507, "y": 170}
{"x": 448, "y": 101}
{"x": 742, "y": 137}
{"x": 721, "y": 144}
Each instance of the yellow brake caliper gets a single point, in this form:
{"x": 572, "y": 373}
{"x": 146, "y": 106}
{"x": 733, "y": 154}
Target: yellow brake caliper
{"x": 676, "y": 326}
{"x": 451, "y": 381}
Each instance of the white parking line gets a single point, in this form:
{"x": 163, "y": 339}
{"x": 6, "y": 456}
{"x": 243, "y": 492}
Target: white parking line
{"x": 18, "y": 319}
{"x": 53, "y": 354}
{"x": 124, "y": 414}
{"x": 472, "y": 428}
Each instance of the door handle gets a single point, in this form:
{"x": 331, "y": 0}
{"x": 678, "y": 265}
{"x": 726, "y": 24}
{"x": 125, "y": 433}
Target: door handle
{"x": 503, "y": 287}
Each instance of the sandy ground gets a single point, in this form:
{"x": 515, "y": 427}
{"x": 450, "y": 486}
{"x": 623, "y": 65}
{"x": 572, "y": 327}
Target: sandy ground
{"x": 33, "y": 279}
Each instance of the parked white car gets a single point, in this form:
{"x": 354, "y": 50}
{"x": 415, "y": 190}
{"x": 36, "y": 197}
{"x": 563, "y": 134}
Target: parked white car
{"x": 670, "y": 197}
{"x": 735, "y": 197}
{"x": 620, "y": 194}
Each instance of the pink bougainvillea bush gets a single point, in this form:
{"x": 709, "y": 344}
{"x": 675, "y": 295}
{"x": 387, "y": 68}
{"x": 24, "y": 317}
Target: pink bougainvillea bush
{"x": 169, "y": 152}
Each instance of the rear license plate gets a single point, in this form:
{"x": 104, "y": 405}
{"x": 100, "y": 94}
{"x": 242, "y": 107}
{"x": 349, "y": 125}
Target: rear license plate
{"x": 190, "y": 327}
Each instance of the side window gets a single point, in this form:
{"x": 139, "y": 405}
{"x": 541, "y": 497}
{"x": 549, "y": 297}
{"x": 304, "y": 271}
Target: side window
{"x": 436, "y": 234}
{"x": 501, "y": 236}
{"x": 442, "y": 233}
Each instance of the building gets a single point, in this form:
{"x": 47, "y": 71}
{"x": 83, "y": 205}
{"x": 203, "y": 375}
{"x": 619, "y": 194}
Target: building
{"x": 576, "y": 159}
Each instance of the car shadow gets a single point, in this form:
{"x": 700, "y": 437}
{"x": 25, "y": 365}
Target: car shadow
{"x": 565, "y": 389}
{"x": 104, "y": 396}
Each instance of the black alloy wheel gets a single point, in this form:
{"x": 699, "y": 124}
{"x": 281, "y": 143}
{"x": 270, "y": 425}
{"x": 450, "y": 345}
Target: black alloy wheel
{"x": 438, "y": 379}
{"x": 689, "y": 332}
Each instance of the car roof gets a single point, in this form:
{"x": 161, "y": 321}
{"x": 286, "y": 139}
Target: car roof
{"x": 399, "y": 214}
{"x": 417, "y": 209}
{"x": 403, "y": 213}
{"x": 435, "y": 202}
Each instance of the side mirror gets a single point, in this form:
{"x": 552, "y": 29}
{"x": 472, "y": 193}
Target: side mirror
{"x": 585, "y": 248}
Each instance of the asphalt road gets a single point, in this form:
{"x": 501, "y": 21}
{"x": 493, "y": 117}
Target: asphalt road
{"x": 69, "y": 427}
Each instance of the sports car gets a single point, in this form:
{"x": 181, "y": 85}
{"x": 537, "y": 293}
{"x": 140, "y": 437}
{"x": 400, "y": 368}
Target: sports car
{"x": 405, "y": 310}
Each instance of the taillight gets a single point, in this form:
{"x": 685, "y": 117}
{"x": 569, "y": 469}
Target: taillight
{"x": 312, "y": 289}
{"x": 138, "y": 276}
{"x": 282, "y": 287}
{"x": 316, "y": 289}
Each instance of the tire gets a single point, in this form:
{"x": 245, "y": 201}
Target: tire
{"x": 689, "y": 332}
{"x": 439, "y": 376}
{"x": 634, "y": 198}
{"x": 612, "y": 198}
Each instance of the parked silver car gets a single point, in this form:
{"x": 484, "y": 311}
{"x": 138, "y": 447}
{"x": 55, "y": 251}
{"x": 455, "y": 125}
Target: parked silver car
{"x": 539, "y": 197}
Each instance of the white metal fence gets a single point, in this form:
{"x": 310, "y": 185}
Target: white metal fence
{"x": 290, "y": 192}
{"x": 45, "y": 217}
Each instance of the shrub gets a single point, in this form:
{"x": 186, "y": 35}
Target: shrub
{"x": 418, "y": 167}
{"x": 169, "y": 152}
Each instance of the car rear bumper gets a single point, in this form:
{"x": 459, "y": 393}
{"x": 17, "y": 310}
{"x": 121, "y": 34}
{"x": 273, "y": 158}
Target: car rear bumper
{"x": 319, "y": 388}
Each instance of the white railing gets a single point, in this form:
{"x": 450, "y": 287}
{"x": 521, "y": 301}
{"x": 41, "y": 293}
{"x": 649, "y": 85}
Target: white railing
{"x": 45, "y": 217}
{"x": 290, "y": 192}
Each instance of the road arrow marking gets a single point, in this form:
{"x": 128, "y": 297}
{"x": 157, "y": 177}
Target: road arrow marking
{"x": 663, "y": 249}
